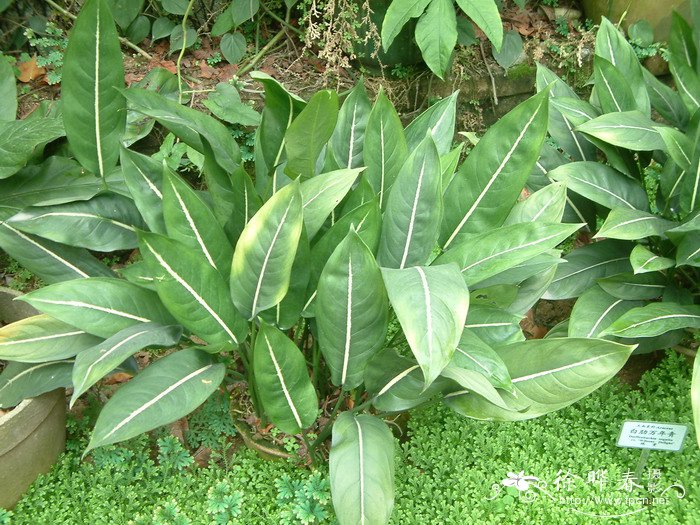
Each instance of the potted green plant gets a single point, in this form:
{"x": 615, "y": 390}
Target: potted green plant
{"x": 361, "y": 268}
{"x": 32, "y": 433}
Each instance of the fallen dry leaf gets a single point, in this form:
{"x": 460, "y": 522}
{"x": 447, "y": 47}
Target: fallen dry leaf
{"x": 29, "y": 70}
{"x": 118, "y": 378}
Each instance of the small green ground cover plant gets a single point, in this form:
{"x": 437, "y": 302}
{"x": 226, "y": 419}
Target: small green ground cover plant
{"x": 445, "y": 473}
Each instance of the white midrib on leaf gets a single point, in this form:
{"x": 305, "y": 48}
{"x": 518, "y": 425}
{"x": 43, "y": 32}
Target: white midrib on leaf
{"x": 149, "y": 182}
{"x": 685, "y": 89}
{"x": 428, "y": 312}
{"x": 398, "y": 377}
{"x": 695, "y": 188}
{"x": 81, "y": 304}
{"x": 544, "y": 208}
{"x": 98, "y": 136}
{"x": 361, "y": 451}
{"x": 40, "y": 338}
{"x": 200, "y": 300}
{"x": 493, "y": 178}
{"x": 263, "y": 268}
{"x": 574, "y": 137}
{"x": 561, "y": 368}
{"x": 352, "y": 136}
{"x": 383, "y": 170}
{"x": 348, "y": 325}
{"x": 604, "y": 190}
{"x": 473, "y": 359}
{"x": 81, "y": 215}
{"x": 625, "y": 223}
{"x": 283, "y": 383}
{"x": 610, "y": 91}
{"x": 412, "y": 220}
{"x": 157, "y": 398}
{"x": 658, "y": 318}
{"x": 193, "y": 227}
{"x": 509, "y": 250}
{"x": 608, "y": 261}
{"x": 46, "y": 250}
{"x": 106, "y": 354}
{"x": 602, "y": 316}
{"x": 30, "y": 370}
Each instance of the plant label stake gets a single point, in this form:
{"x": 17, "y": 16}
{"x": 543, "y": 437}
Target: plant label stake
{"x": 651, "y": 435}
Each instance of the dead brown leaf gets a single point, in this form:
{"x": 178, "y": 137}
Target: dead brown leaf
{"x": 29, "y": 70}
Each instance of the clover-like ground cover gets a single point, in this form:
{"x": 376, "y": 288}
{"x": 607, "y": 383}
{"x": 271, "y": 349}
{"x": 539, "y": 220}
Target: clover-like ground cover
{"x": 445, "y": 471}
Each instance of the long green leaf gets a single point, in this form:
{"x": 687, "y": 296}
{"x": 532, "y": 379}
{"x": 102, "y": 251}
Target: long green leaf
{"x": 57, "y": 180}
{"x": 485, "y": 255}
{"x": 489, "y": 182}
{"x": 94, "y": 110}
{"x": 144, "y": 178}
{"x": 284, "y": 386}
{"x": 8, "y": 91}
{"x": 49, "y": 260}
{"x": 614, "y": 94}
{"x": 550, "y": 379}
{"x": 633, "y": 287}
{"x": 348, "y": 140}
{"x": 20, "y": 381}
{"x": 485, "y": 14}
{"x": 595, "y": 310}
{"x": 438, "y": 120}
{"x": 602, "y": 184}
{"x": 19, "y": 139}
{"x": 362, "y": 470}
{"x": 396, "y": 382}
{"x": 353, "y": 311}
{"x": 437, "y": 46}
{"x": 612, "y": 45}
{"x": 384, "y": 147}
{"x": 666, "y": 101}
{"x": 281, "y": 107}
{"x": 192, "y": 290}
{"x": 644, "y": 260}
{"x": 431, "y": 305}
{"x": 655, "y": 319}
{"x": 628, "y": 129}
{"x": 397, "y": 15}
{"x": 309, "y": 132}
{"x": 561, "y": 123}
{"x": 189, "y": 220}
{"x": 545, "y": 205}
{"x": 322, "y": 194}
{"x": 99, "y": 305}
{"x": 193, "y": 127}
{"x": 630, "y": 224}
{"x": 586, "y": 264}
{"x": 165, "y": 391}
{"x": 264, "y": 254}
{"x": 94, "y": 363}
{"x": 414, "y": 209}
{"x": 105, "y": 223}
{"x": 42, "y": 338}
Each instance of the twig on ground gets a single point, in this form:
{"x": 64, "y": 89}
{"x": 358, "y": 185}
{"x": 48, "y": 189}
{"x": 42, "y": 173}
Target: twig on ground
{"x": 128, "y": 43}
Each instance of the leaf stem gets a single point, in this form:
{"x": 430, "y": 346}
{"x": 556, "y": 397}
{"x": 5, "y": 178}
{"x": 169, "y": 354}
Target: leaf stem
{"x": 309, "y": 449}
{"x": 255, "y": 59}
{"x": 182, "y": 50}
{"x": 329, "y": 425}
